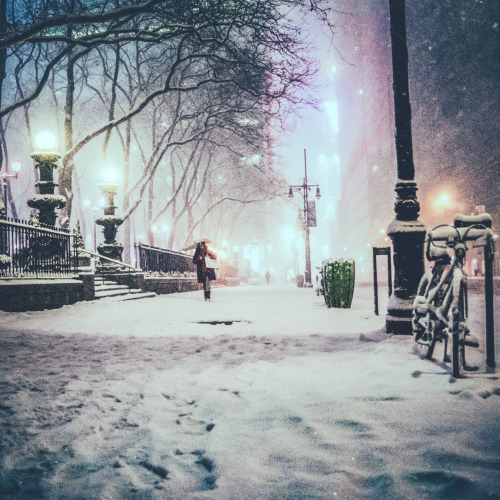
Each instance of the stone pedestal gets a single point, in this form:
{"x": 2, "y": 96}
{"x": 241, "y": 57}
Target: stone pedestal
{"x": 408, "y": 236}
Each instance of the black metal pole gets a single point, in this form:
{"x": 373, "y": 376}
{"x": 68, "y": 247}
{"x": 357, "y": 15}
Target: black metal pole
{"x": 488, "y": 297}
{"x": 375, "y": 282}
{"x": 4, "y": 184}
{"x": 307, "y": 272}
{"x": 406, "y": 231}
{"x": 95, "y": 233}
{"x": 389, "y": 271}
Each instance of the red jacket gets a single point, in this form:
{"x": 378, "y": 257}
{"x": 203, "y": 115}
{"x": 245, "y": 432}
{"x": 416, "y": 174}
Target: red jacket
{"x": 201, "y": 266}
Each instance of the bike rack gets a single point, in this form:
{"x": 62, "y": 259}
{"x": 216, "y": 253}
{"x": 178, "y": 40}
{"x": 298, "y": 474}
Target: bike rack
{"x": 381, "y": 251}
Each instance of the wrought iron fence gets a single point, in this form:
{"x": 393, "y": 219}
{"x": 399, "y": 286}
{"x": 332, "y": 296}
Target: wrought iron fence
{"x": 164, "y": 262}
{"x": 27, "y": 250}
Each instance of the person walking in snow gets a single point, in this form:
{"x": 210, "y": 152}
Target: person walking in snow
{"x": 268, "y": 276}
{"x": 204, "y": 274}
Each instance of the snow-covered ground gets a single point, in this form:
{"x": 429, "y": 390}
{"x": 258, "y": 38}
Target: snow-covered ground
{"x": 290, "y": 400}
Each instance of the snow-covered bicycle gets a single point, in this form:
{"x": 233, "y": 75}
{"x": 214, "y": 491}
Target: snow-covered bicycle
{"x": 440, "y": 307}
{"x": 320, "y": 284}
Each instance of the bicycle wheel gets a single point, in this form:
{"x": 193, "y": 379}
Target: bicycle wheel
{"x": 424, "y": 336}
{"x": 458, "y": 334}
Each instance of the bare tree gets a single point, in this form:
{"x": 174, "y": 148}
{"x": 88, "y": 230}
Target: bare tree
{"x": 205, "y": 65}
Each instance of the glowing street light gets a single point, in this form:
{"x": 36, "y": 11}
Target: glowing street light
{"x": 16, "y": 167}
{"x": 110, "y": 174}
{"x": 307, "y": 218}
{"x": 45, "y": 141}
{"x": 110, "y": 222}
{"x": 94, "y": 210}
{"x": 45, "y": 159}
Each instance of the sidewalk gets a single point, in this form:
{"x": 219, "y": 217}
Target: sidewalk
{"x": 280, "y": 398}
{"x": 253, "y": 309}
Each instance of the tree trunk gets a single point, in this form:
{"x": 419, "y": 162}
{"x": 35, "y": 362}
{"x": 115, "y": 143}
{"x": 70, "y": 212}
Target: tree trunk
{"x": 111, "y": 115}
{"x": 68, "y": 165}
{"x": 127, "y": 236}
{"x": 3, "y": 60}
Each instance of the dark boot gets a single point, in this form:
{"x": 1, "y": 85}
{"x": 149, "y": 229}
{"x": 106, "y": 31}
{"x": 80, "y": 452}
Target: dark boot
{"x": 207, "y": 295}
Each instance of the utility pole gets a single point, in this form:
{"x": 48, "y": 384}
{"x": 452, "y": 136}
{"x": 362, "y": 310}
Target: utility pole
{"x": 304, "y": 188}
{"x": 406, "y": 231}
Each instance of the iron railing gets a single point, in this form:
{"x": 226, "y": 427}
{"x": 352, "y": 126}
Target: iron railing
{"x": 165, "y": 262}
{"x": 27, "y": 250}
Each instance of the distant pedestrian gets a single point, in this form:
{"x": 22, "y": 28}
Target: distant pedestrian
{"x": 268, "y": 276}
{"x": 205, "y": 274}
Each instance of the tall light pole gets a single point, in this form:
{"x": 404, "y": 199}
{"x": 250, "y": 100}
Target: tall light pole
{"x": 94, "y": 210}
{"x": 46, "y": 160}
{"x": 406, "y": 231}
{"x": 16, "y": 166}
{"x": 309, "y": 219}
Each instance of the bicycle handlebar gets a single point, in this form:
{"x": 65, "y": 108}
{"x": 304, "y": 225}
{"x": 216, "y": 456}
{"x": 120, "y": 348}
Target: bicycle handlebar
{"x": 471, "y": 233}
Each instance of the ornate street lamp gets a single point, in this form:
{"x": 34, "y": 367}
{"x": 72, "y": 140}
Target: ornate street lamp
{"x": 406, "y": 231}
{"x": 16, "y": 167}
{"x": 309, "y": 218}
{"x": 46, "y": 161}
{"x": 110, "y": 222}
{"x": 94, "y": 210}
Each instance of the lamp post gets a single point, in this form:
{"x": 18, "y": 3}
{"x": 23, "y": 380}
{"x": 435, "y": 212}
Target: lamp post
{"x": 309, "y": 218}
{"x": 86, "y": 204}
{"x": 46, "y": 161}
{"x": 16, "y": 167}
{"x": 110, "y": 222}
{"x": 406, "y": 231}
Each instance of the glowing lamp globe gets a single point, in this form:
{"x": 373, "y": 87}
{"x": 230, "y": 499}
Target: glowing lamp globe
{"x": 86, "y": 203}
{"x": 16, "y": 166}
{"x": 110, "y": 175}
{"x": 45, "y": 141}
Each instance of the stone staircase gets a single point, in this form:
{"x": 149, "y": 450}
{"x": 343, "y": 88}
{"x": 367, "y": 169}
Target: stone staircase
{"x": 105, "y": 288}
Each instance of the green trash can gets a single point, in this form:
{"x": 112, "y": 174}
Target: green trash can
{"x": 338, "y": 278}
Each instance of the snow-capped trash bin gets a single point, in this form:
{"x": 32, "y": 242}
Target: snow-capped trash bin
{"x": 338, "y": 276}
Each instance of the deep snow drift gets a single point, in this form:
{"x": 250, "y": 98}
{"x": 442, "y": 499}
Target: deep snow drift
{"x": 139, "y": 400}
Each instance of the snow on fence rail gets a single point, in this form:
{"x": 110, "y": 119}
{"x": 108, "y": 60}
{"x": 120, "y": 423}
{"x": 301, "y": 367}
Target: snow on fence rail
{"x": 28, "y": 250}
{"x": 165, "y": 262}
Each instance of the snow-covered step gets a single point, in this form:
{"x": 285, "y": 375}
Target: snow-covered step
{"x": 135, "y": 295}
{"x": 110, "y": 291}
{"x": 107, "y": 289}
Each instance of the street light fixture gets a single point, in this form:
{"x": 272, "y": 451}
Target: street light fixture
{"x": 86, "y": 204}
{"x": 45, "y": 141}
{"x": 46, "y": 159}
{"x": 110, "y": 249}
{"x": 308, "y": 219}
{"x": 16, "y": 167}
